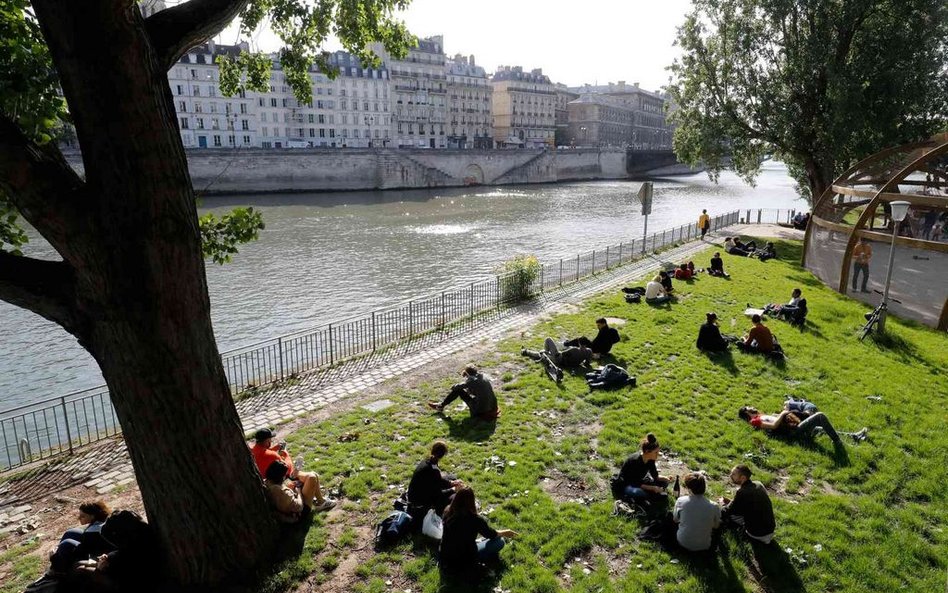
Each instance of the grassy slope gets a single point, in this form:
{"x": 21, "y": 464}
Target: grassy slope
{"x": 877, "y": 513}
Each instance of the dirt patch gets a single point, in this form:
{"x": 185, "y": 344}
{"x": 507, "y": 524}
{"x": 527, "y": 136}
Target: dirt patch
{"x": 562, "y": 488}
{"x": 588, "y": 561}
{"x": 343, "y": 577}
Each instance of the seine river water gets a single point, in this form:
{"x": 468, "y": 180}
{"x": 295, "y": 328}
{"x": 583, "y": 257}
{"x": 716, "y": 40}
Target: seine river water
{"x": 327, "y": 256}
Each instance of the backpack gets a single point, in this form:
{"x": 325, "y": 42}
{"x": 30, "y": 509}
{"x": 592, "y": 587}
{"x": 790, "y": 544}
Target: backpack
{"x": 617, "y": 486}
{"x": 633, "y": 297}
{"x": 801, "y": 408}
{"x": 393, "y": 528}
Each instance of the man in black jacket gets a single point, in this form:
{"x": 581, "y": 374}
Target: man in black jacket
{"x": 751, "y": 507}
{"x": 603, "y": 341}
{"x": 476, "y": 391}
{"x": 709, "y": 336}
{"x": 429, "y": 488}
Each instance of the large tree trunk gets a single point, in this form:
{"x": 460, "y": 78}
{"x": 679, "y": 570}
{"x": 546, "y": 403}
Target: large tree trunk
{"x": 141, "y": 293}
{"x": 819, "y": 177}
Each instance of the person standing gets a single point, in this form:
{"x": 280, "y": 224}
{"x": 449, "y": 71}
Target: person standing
{"x": 751, "y": 508}
{"x": 862, "y": 253}
{"x": 704, "y": 223}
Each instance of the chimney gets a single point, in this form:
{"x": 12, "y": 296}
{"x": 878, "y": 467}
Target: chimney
{"x": 471, "y": 60}
{"x": 635, "y": 84}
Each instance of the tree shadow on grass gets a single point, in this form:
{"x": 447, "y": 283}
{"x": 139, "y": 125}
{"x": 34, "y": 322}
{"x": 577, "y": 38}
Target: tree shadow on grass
{"x": 898, "y": 345}
{"x": 772, "y": 569}
{"x": 723, "y": 359}
{"x": 471, "y": 429}
{"x": 293, "y": 538}
{"x": 837, "y": 452}
{"x": 483, "y": 580}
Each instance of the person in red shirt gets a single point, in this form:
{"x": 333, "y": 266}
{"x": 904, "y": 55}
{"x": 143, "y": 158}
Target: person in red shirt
{"x": 265, "y": 453}
{"x": 683, "y": 272}
{"x": 758, "y": 339}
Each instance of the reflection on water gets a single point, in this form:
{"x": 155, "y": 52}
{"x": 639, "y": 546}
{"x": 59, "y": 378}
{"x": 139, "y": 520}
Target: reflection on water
{"x": 328, "y": 256}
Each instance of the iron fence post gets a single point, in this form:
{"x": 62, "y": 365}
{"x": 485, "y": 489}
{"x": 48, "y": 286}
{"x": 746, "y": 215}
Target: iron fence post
{"x": 607, "y": 258}
{"x": 411, "y": 322}
{"x": 442, "y": 312}
{"x": 577, "y": 267}
{"x": 332, "y": 358}
{"x": 620, "y": 253}
{"x": 594, "y": 263}
{"x": 472, "y": 302}
{"x": 280, "y": 353}
{"x": 373, "y": 331}
{"x": 758, "y": 215}
{"x": 62, "y": 402}
{"x": 561, "y": 271}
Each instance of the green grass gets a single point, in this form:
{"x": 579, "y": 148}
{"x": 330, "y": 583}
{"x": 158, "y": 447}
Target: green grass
{"x": 871, "y": 520}
{"x": 19, "y": 567}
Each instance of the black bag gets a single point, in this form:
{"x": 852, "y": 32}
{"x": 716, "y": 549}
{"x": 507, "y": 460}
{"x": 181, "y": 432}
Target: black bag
{"x": 617, "y": 486}
{"x": 401, "y": 503}
{"x": 393, "y": 528}
{"x": 633, "y": 297}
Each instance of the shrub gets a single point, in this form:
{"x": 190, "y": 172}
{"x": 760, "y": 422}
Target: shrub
{"x": 517, "y": 277}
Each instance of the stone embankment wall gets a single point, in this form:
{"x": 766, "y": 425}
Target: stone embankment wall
{"x": 254, "y": 170}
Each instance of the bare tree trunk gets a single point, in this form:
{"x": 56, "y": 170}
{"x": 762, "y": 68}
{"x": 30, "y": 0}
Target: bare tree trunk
{"x": 819, "y": 177}
{"x": 141, "y": 293}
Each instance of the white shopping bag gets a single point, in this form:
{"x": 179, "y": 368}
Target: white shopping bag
{"x": 431, "y": 526}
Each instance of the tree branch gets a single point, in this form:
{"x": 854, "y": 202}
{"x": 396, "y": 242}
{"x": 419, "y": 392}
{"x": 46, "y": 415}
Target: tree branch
{"x": 175, "y": 30}
{"x": 46, "y": 288}
{"x": 42, "y": 185}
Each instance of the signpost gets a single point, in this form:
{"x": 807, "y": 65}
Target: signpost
{"x": 645, "y": 198}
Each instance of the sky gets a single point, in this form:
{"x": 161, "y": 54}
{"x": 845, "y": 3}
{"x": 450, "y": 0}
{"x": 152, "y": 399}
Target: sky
{"x": 591, "y": 41}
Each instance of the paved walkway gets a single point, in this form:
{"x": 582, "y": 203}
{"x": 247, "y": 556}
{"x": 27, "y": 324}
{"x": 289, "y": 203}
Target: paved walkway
{"x": 105, "y": 466}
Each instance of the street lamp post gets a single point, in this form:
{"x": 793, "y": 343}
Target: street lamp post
{"x": 899, "y": 211}
{"x": 583, "y": 130}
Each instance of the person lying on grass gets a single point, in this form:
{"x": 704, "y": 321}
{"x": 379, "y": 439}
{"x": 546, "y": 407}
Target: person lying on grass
{"x": 751, "y": 509}
{"x": 696, "y": 516}
{"x": 791, "y": 424}
{"x": 475, "y": 391}
{"x": 602, "y": 344}
{"x": 758, "y": 339}
{"x": 461, "y": 553}
{"x": 429, "y": 487}
{"x": 717, "y": 266}
{"x": 554, "y": 359}
{"x": 655, "y": 293}
{"x": 289, "y": 499}
{"x": 638, "y": 481}
{"x": 710, "y": 338}
{"x": 787, "y": 310}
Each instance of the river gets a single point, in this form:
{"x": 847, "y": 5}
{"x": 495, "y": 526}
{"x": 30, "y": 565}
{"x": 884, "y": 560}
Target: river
{"x": 324, "y": 257}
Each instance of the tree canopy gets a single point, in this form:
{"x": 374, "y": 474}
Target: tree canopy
{"x": 817, "y": 84}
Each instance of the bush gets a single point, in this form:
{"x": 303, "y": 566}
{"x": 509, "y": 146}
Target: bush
{"x": 517, "y": 277}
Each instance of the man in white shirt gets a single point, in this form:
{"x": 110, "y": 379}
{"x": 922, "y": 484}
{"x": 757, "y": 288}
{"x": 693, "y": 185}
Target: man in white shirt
{"x": 696, "y": 516}
{"x": 654, "y": 292}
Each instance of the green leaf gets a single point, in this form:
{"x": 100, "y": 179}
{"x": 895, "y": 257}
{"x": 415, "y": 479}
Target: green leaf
{"x": 220, "y": 237}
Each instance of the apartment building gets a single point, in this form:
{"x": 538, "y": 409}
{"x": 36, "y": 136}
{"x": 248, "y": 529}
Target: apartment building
{"x": 523, "y": 108}
{"x": 469, "y": 120}
{"x": 650, "y": 130}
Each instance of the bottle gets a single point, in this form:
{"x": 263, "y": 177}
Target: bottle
{"x": 677, "y": 487}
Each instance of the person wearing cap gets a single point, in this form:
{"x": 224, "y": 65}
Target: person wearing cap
{"x": 265, "y": 453}
{"x": 476, "y": 391}
{"x": 709, "y": 336}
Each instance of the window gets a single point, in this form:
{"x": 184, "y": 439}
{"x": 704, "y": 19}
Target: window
{"x": 273, "y": 102}
{"x": 310, "y": 118}
{"x": 215, "y": 124}
{"x": 246, "y": 139}
{"x": 211, "y": 91}
{"x": 217, "y": 140}
{"x": 260, "y": 102}
{"x": 230, "y": 140}
{"x": 265, "y": 131}
{"x": 322, "y": 118}
{"x": 182, "y": 106}
{"x": 196, "y": 91}
{"x": 198, "y": 107}
{"x": 200, "y": 123}
{"x": 213, "y": 107}
{"x": 284, "y": 102}
{"x": 243, "y": 107}
{"x": 184, "y": 123}
{"x": 244, "y": 124}
{"x": 320, "y": 105}
{"x": 180, "y": 90}
{"x": 263, "y": 116}
{"x": 332, "y": 119}
{"x": 355, "y": 133}
{"x": 365, "y": 106}
{"x": 322, "y": 132}
{"x": 266, "y": 144}
{"x": 332, "y": 133}
{"x": 312, "y": 132}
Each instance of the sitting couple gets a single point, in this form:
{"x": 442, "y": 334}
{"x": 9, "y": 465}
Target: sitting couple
{"x": 798, "y": 418}
{"x": 794, "y": 310}
{"x": 460, "y": 550}
{"x": 293, "y": 492}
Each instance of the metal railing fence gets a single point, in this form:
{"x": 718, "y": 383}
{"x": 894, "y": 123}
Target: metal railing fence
{"x": 51, "y": 427}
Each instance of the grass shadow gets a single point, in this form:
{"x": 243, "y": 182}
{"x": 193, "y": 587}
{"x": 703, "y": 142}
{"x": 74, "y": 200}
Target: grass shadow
{"x": 483, "y": 580}
{"x": 469, "y": 429}
{"x": 723, "y": 359}
{"x": 292, "y": 539}
{"x": 711, "y": 567}
{"x": 773, "y": 570}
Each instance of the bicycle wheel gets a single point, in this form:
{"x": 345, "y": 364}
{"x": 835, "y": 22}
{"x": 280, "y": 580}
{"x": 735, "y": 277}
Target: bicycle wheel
{"x": 867, "y": 329}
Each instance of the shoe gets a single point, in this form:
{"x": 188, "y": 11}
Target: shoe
{"x": 861, "y": 435}
{"x": 436, "y": 407}
{"x": 325, "y": 505}
{"x": 523, "y": 352}
{"x": 48, "y": 583}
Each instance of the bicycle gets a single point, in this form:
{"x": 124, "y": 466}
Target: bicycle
{"x": 873, "y": 317}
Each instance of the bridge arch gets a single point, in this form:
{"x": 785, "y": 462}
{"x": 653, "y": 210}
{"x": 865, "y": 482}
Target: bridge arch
{"x": 473, "y": 175}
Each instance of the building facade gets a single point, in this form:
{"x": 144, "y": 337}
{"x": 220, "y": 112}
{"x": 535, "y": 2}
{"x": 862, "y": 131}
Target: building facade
{"x": 353, "y": 110}
{"x": 523, "y": 108}
{"x": 470, "y": 123}
{"x": 563, "y": 97}
{"x": 600, "y": 120}
{"x": 650, "y": 130}
{"x": 419, "y": 88}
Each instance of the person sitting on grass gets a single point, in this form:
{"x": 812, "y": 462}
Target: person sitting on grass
{"x": 475, "y": 391}
{"x": 709, "y": 336}
{"x": 666, "y": 282}
{"x": 768, "y": 252}
{"x": 789, "y": 310}
{"x": 461, "y": 553}
{"x": 683, "y": 272}
{"x": 696, "y": 516}
{"x": 717, "y": 266}
{"x": 734, "y": 246}
{"x": 79, "y": 543}
{"x": 602, "y": 344}
{"x": 655, "y": 293}
{"x": 789, "y": 423}
{"x": 429, "y": 488}
{"x": 265, "y": 453}
{"x": 759, "y": 339}
{"x": 639, "y": 481}
{"x": 751, "y": 508}
{"x": 289, "y": 498}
